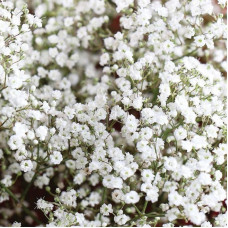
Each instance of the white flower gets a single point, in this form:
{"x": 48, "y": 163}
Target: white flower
{"x": 104, "y": 59}
{"x": 131, "y": 123}
{"x": 42, "y": 204}
{"x": 121, "y": 219}
{"x": 56, "y": 157}
{"x": 206, "y": 224}
{"x": 7, "y": 181}
{"x": 200, "y": 41}
{"x": 171, "y": 163}
{"x": 69, "y": 112}
{"x": 126, "y": 172}
{"x": 41, "y": 132}
{"x": 68, "y": 21}
{"x": 79, "y": 178}
{"x": 69, "y": 198}
{"x": 186, "y": 145}
{"x": 122, "y": 4}
{"x": 138, "y": 102}
{"x": 15, "y": 142}
{"x": 221, "y": 220}
{"x": 147, "y": 175}
{"x": 123, "y": 94}
{"x": 131, "y": 197}
{"x": 193, "y": 213}
{"x": 112, "y": 182}
{"x": 190, "y": 32}
{"x": 16, "y": 224}
{"x": 106, "y": 209}
{"x": 180, "y": 133}
{"x": 26, "y": 165}
{"x": 175, "y": 198}
{"x": 152, "y": 194}
{"x": 117, "y": 195}
{"x": 56, "y": 94}
{"x": 168, "y": 46}
{"x": 199, "y": 142}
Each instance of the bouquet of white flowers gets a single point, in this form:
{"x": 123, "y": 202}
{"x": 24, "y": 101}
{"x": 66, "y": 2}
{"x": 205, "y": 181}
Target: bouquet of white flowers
{"x": 113, "y": 113}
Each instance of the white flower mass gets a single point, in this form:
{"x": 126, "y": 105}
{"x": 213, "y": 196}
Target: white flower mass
{"x": 113, "y": 113}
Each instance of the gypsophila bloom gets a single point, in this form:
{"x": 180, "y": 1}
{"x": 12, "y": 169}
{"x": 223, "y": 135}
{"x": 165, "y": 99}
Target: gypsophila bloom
{"x": 26, "y": 165}
{"x": 106, "y": 209}
{"x": 56, "y": 158}
{"x": 113, "y": 113}
{"x": 16, "y": 224}
{"x": 132, "y": 197}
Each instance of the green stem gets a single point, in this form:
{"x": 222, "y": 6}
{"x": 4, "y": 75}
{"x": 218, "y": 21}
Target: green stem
{"x": 104, "y": 195}
{"x": 154, "y": 214}
{"x": 136, "y": 208}
{"x": 144, "y": 207}
{"x": 9, "y": 192}
{"x": 19, "y": 174}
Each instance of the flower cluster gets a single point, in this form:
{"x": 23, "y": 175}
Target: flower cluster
{"x": 113, "y": 113}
